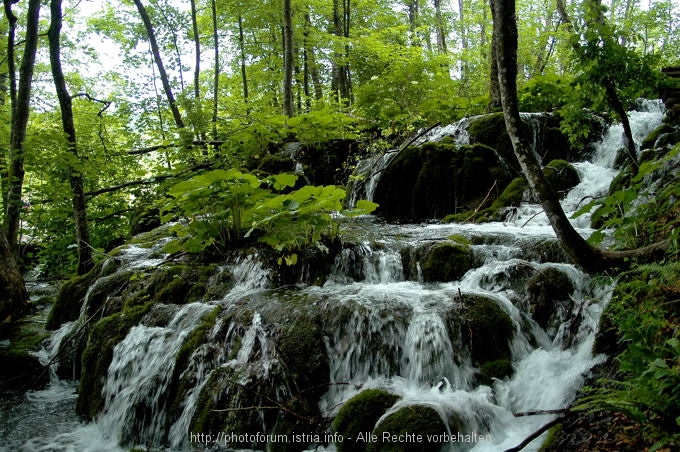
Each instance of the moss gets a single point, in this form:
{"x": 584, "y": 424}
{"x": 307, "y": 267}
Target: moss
{"x": 447, "y": 262}
{"x": 490, "y": 131}
{"x": 561, "y": 175}
{"x": 487, "y": 329}
{"x": 359, "y": 414}
{"x": 70, "y": 298}
{"x": 650, "y": 140}
{"x": 494, "y": 369}
{"x": 550, "y": 440}
{"x": 178, "y": 387}
{"x": 276, "y": 164}
{"x": 546, "y": 291}
{"x": 412, "y": 420}
{"x": 144, "y": 219}
{"x": 19, "y": 368}
{"x": 103, "y": 337}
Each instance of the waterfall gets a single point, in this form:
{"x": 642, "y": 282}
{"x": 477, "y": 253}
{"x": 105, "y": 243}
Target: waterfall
{"x": 379, "y": 326}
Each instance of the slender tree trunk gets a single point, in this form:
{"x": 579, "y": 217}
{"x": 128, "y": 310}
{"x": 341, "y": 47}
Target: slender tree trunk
{"x": 588, "y": 257}
{"x": 14, "y": 299}
{"x": 340, "y": 78}
{"x": 216, "y": 72}
{"x": 10, "y": 87}
{"x": 242, "y": 48}
{"x": 159, "y": 64}
{"x": 288, "y": 108}
{"x": 440, "y": 27}
{"x": 197, "y": 67}
{"x": 20, "y": 112}
{"x": 311, "y": 63}
{"x": 494, "y": 88}
{"x": 75, "y": 177}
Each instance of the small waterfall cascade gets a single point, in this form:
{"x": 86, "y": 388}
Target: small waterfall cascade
{"x": 369, "y": 171}
{"x": 375, "y": 323}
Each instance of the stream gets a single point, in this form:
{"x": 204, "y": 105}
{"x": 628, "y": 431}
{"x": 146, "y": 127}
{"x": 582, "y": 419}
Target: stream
{"x": 383, "y": 328}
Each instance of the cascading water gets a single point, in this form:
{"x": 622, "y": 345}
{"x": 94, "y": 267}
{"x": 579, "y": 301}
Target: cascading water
{"x": 382, "y": 327}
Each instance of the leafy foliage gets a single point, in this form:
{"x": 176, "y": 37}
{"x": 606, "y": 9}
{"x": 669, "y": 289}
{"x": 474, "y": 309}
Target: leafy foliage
{"x": 222, "y": 207}
{"x": 644, "y": 313}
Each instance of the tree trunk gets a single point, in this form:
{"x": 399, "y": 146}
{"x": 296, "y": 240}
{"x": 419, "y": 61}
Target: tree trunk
{"x": 288, "y": 108}
{"x": 242, "y": 48}
{"x": 216, "y": 71}
{"x": 75, "y": 177}
{"x": 20, "y": 112}
{"x": 9, "y": 85}
{"x": 494, "y": 88}
{"x": 441, "y": 28}
{"x": 197, "y": 68}
{"x": 14, "y": 299}
{"x": 159, "y": 64}
{"x": 588, "y": 257}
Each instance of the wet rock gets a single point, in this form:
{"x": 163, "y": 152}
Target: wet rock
{"x": 549, "y": 298}
{"x": 98, "y": 354}
{"x": 144, "y": 219}
{"x": 409, "y": 427}
{"x": 486, "y": 328}
{"x": 359, "y": 415}
{"x": 436, "y": 179}
{"x": 561, "y": 175}
{"x": 447, "y": 261}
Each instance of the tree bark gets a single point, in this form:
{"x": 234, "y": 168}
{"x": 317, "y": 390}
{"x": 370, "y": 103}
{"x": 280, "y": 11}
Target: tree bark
{"x": 11, "y": 80}
{"x": 441, "y": 28}
{"x": 494, "y": 88}
{"x": 216, "y": 71}
{"x": 585, "y": 255}
{"x": 242, "y": 49}
{"x": 288, "y": 107}
{"x": 151, "y": 34}
{"x": 20, "y": 112}
{"x": 14, "y": 299}
{"x": 197, "y": 69}
{"x": 85, "y": 262}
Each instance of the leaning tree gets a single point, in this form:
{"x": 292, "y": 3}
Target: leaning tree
{"x": 588, "y": 257}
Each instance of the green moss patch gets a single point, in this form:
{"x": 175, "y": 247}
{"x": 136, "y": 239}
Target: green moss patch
{"x": 409, "y": 427}
{"x": 447, "y": 262}
{"x": 487, "y": 329}
{"x": 359, "y": 415}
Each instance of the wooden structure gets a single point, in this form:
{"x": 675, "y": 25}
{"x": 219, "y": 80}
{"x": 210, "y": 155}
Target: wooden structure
{"x": 670, "y": 92}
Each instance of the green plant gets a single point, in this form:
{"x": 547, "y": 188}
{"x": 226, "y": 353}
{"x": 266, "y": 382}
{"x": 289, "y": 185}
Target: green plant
{"x": 221, "y": 207}
{"x": 644, "y": 313}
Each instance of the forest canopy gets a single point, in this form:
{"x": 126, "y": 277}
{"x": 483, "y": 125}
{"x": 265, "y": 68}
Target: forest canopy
{"x": 105, "y": 106}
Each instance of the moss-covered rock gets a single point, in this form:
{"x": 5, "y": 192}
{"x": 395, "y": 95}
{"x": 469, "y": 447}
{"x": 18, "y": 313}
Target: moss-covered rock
{"x": 359, "y": 415}
{"x": 408, "y": 429}
{"x": 492, "y": 370}
{"x": 561, "y": 175}
{"x": 19, "y": 368}
{"x": 436, "y": 179}
{"x": 144, "y": 219}
{"x": 487, "y": 329}
{"x": 276, "y": 164}
{"x": 98, "y": 354}
{"x": 71, "y": 295}
{"x": 549, "y": 297}
{"x": 447, "y": 261}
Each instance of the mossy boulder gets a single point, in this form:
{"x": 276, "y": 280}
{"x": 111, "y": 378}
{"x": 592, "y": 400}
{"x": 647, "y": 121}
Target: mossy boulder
{"x": 548, "y": 295}
{"x": 490, "y": 131}
{"x": 19, "y": 368}
{"x": 144, "y": 219}
{"x": 276, "y": 164}
{"x": 492, "y": 370}
{"x": 359, "y": 415}
{"x": 561, "y": 175}
{"x": 435, "y": 179}
{"x": 98, "y": 354}
{"x": 487, "y": 329}
{"x": 408, "y": 428}
{"x": 447, "y": 261}
{"x": 71, "y": 295}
